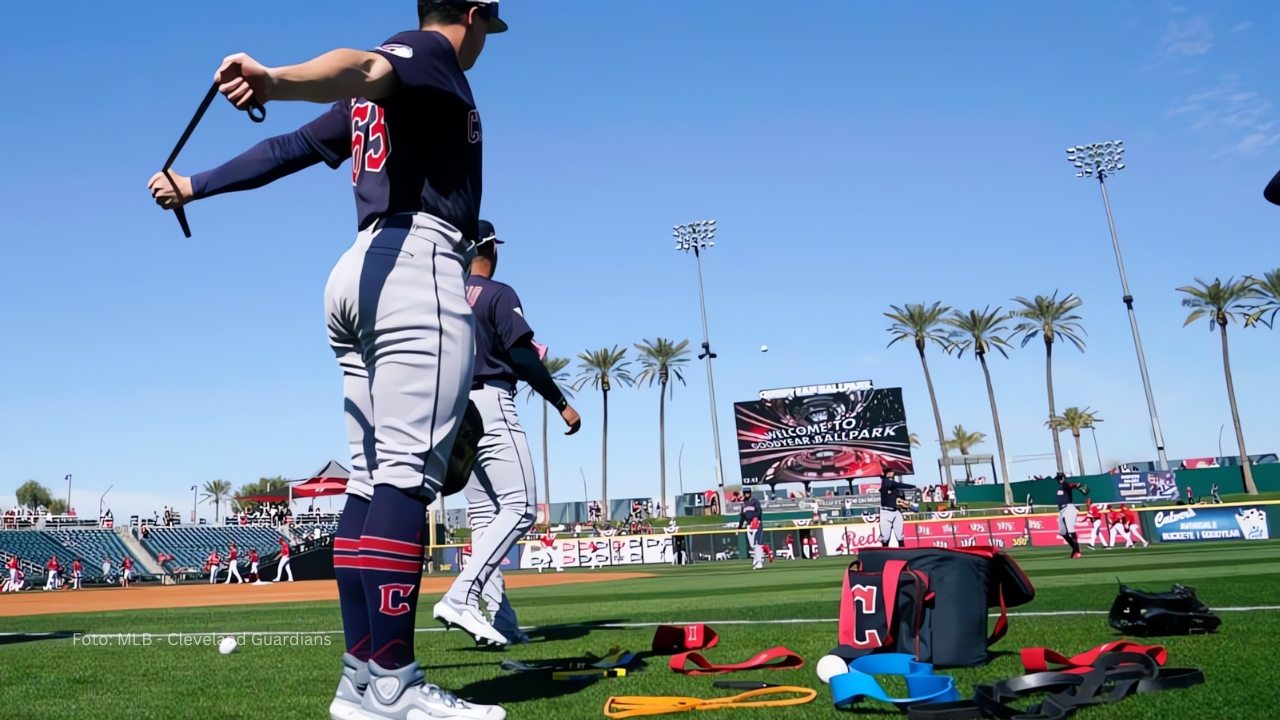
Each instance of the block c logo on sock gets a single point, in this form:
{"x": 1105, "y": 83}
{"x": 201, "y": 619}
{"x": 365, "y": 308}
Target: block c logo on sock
{"x": 395, "y": 598}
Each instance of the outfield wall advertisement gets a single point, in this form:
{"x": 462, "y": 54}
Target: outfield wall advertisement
{"x": 1197, "y": 523}
{"x": 841, "y": 435}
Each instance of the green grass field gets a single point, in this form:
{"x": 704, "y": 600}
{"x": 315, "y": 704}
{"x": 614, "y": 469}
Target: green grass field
{"x": 57, "y": 679}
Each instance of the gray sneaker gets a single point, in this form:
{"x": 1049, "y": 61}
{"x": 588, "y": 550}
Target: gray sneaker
{"x": 351, "y": 687}
{"x": 469, "y": 618}
{"x": 403, "y": 695}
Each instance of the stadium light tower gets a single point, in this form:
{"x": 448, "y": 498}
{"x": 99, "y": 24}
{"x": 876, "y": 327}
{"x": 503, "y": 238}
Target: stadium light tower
{"x": 1100, "y": 160}
{"x": 697, "y": 237}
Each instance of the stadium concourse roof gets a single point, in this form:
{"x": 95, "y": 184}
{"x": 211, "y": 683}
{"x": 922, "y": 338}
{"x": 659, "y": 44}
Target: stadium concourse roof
{"x": 330, "y": 480}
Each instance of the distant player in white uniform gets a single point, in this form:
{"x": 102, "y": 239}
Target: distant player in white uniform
{"x": 501, "y": 494}
{"x": 233, "y": 564}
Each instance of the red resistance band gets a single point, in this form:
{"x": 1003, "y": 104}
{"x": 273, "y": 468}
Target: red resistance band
{"x": 1037, "y": 659}
{"x": 777, "y": 658}
{"x": 670, "y": 639}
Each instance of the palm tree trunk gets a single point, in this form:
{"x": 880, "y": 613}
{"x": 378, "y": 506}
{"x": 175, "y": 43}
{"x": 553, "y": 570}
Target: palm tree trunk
{"x": 662, "y": 449}
{"x": 1048, "y": 381}
{"x": 1249, "y": 486}
{"x": 995, "y": 419}
{"x": 546, "y": 463}
{"x": 604, "y": 459}
{"x": 937, "y": 418}
{"x": 1079, "y": 451}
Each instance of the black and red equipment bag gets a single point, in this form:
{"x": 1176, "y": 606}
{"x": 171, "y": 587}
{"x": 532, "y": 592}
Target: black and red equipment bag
{"x": 929, "y": 602}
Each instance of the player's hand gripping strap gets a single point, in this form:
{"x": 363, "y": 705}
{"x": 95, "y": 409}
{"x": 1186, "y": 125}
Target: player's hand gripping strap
{"x": 776, "y": 658}
{"x": 671, "y": 639}
{"x": 923, "y": 686}
{"x": 640, "y": 706}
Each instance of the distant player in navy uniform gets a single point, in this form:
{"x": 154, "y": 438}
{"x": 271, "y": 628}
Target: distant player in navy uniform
{"x": 1068, "y": 512}
{"x": 752, "y": 518}
{"x": 891, "y": 502}
{"x": 396, "y": 309}
{"x": 501, "y": 494}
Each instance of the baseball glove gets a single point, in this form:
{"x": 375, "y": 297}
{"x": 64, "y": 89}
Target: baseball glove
{"x": 903, "y": 504}
{"x": 465, "y": 449}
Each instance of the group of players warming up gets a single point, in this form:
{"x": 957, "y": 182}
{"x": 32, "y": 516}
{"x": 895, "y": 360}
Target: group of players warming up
{"x": 1121, "y": 520}
{"x": 415, "y": 337}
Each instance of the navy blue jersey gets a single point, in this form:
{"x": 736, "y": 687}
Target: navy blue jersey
{"x": 500, "y": 325}
{"x": 418, "y": 150}
{"x": 750, "y": 511}
{"x": 1064, "y": 494}
{"x": 890, "y": 490}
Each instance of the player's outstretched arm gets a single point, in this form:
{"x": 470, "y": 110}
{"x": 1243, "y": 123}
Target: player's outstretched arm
{"x": 324, "y": 139}
{"x": 336, "y": 75}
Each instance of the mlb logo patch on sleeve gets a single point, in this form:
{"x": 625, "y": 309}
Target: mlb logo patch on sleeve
{"x": 398, "y": 50}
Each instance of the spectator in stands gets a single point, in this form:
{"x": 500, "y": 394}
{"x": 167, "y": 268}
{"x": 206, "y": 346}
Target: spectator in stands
{"x": 144, "y": 533}
{"x": 71, "y": 512}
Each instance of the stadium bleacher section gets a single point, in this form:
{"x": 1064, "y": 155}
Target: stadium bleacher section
{"x": 190, "y": 546}
{"x": 91, "y": 546}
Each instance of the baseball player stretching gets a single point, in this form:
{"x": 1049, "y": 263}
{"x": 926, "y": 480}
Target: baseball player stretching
{"x": 126, "y": 571}
{"x": 751, "y": 517}
{"x": 546, "y": 548}
{"x": 397, "y": 316}
{"x": 501, "y": 493}
{"x": 891, "y": 502}
{"x": 51, "y": 582}
{"x": 1096, "y": 524}
{"x": 1133, "y": 525}
{"x": 13, "y": 566}
{"x": 1115, "y": 519}
{"x": 233, "y": 565}
{"x": 1068, "y": 512}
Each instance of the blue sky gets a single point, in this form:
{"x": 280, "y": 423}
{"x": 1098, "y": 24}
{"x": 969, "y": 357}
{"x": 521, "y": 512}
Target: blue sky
{"x": 854, "y": 154}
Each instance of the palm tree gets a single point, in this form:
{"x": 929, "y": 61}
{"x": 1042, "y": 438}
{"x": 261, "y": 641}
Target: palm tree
{"x": 216, "y": 492}
{"x": 555, "y": 367}
{"x": 922, "y": 325}
{"x": 1075, "y": 420}
{"x": 983, "y": 330}
{"x": 1266, "y": 296}
{"x": 1050, "y": 318}
{"x": 600, "y": 369}
{"x": 1221, "y": 302}
{"x": 662, "y": 360}
{"x": 964, "y": 441}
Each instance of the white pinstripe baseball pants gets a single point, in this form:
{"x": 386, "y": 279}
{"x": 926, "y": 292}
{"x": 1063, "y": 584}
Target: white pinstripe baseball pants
{"x": 501, "y": 500}
{"x": 402, "y": 331}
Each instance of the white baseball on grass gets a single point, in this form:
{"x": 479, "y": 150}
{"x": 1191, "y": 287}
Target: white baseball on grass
{"x": 830, "y": 666}
{"x": 228, "y": 645}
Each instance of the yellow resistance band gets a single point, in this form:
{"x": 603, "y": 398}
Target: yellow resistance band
{"x": 639, "y": 706}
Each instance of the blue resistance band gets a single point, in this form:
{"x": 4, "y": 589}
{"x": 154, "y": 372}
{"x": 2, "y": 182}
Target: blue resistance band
{"x": 923, "y": 686}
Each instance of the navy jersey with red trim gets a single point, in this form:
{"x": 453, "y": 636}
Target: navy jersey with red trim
{"x": 500, "y": 324}
{"x": 418, "y": 150}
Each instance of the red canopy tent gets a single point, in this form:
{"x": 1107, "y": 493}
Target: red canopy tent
{"x": 331, "y": 480}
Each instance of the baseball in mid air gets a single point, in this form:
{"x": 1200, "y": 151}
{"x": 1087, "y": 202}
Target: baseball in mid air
{"x": 764, "y": 348}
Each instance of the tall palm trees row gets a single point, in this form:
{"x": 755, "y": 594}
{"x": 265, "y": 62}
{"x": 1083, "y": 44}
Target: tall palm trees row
{"x": 661, "y": 361}
{"x": 1253, "y": 300}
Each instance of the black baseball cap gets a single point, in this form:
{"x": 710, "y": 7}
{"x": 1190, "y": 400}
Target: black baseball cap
{"x": 488, "y": 234}
{"x": 496, "y": 24}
